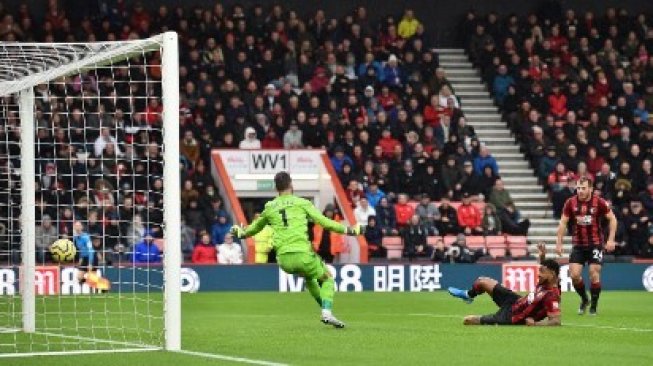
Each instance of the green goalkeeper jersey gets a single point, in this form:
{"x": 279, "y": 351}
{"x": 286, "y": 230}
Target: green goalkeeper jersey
{"x": 288, "y": 216}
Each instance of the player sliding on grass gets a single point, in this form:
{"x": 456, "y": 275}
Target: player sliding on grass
{"x": 541, "y": 307}
{"x": 288, "y": 216}
{"x": 585, "y": 211}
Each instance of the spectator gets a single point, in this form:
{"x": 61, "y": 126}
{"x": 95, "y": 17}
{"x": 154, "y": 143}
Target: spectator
{"x": 461, "y": 253}
{"x": 414, "y": 237}
{"x": 272, "y": 141}
{"x": 293, "y": 138}
{"x": 448, "y": 218}
{"x": 491, "y": 221}
{"x": 485, "y": 158}
{"x": 647, "y": 250}
{"x": 135, "y": 231}
{"x": 637, "y": 223}
{"x": 204, "y": 252}
{"x": 511, "y": 221}
{"x": 363, "y": 211}
{"x": 374, "y": 194}
{"x": 188, "y": 193}
{"x": 469, "y": 217}
{"x": 146, "y": 251}
{"x": 471, "y": 181}
{"x": 250, "y": 142}
{"x": 557, "y": 102}
{"x": 428, "y": 214}
{"x": 189, "y": 147}
{"x": 403, "y": 211}
{"x": 408, "y": 180}
{"x": 500, "y": 196}
{"x": 408, "y": 24}
{"x": 187, "y": 239}
{"x": 328, "y": 244}
{"x": 262, "y": 242}
{"x": 339, "y": 159}
{"x": 501, "y": 83}
{"x": 547, "y": 164}
{"x": 393, "y": 77}
{"x": 230, "y": 252}
{"x": 374, "y": 238}
{"x": 103, "y": 140}
{"x": 220, "y": 228}
{"x": 439, "y": 253}
{"x": 386, "y": 217}
{"x": 45, "y": 234}
{"x": 487, "y": 182}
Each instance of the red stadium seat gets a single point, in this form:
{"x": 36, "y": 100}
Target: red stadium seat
{"x": 448, "y": 240}
{"x": 394, "y": 246}
{"x": 518, "y": 245}
{"x": 431, "y": 240}
{"x": 496, "y": 245}
{"x": 475, "y": 242}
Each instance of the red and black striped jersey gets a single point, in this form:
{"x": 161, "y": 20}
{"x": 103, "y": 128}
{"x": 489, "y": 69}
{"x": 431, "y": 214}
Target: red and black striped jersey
{"x": 585, "y": 218}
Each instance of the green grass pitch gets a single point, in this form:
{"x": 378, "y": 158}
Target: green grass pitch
{"x": 388, "y": 329}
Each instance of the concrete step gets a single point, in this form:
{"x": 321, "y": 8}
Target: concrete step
{"x": 470, "y": 87}
{"x": 449, "y": 51}
{"x": 482, "y": 109}
{"x": 519, "y": 197}
{"x": 492, "y": 132}
{"x": 513, "y": 163}
{"x": 483, "y": 117}
{"x": 476, "y": 102}
{"x": 462, "y": 72}
{"x": 474, "y": 94}
{"x": 501, "y": 156}
{"x": 530, "y": 213}
{"x": 518, "y": 180}
{"x": 456, "y": 63}
{"x": 464, "y": 79}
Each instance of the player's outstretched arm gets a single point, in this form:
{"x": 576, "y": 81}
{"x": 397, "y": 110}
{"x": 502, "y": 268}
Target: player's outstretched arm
{"x": 550, "y": 320}
{"x": 253, "y": 229}
{"x": 322, "y": 220}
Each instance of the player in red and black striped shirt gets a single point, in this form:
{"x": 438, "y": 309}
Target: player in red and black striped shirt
{"x": 585, "y": 212}
{"x": 541, "y": 307}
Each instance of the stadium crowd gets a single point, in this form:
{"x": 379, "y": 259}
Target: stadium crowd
{"x": 370, "y": 92}
{"x": 576, "y": 90}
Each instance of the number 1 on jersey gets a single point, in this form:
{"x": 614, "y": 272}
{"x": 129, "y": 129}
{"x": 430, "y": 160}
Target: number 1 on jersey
{"x": 283, "y": 217}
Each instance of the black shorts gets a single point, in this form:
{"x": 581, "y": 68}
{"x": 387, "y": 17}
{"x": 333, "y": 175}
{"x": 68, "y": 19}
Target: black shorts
{"x": 589, "y": 255}
{"x": 504, "y": 299}
{"x": 94, "y": 262}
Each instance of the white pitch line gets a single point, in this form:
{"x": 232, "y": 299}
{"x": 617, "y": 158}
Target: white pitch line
{"x": 80, "y": 352}
{"x": 230, "y": 358}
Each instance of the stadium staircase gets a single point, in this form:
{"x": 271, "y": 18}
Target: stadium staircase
{"x": 481, "y": 112}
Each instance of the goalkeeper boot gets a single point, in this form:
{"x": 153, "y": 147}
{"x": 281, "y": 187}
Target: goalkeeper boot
{"x": 461, "y": 294}
{"x": 583, "y": 308}
{"x": 329, "y": 319}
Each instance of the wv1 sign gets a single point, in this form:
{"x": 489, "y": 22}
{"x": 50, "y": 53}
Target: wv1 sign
{"x": 270, "y": 161}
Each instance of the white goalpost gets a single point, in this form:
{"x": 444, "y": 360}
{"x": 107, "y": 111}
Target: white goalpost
{"x": 89, "y": 133}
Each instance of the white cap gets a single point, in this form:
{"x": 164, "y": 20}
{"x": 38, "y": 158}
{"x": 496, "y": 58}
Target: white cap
{"x": 392, "y": 58}
{"x": 270, "y": 86}
{"x": 249, "y": 130}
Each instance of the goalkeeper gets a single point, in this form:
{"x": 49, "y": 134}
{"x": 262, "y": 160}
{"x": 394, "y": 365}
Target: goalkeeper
{"x": 288, "y": 216}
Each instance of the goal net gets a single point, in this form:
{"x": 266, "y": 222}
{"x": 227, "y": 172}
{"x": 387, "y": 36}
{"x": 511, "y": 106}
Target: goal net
{"x": 89, "y": 140}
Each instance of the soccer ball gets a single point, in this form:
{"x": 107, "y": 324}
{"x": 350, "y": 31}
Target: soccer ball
{"x": 63, "y": 250}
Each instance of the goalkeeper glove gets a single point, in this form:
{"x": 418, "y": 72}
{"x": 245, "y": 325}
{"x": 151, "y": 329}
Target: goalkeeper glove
{"x": 355, "y": 230}
{"x": 238, "y": 231}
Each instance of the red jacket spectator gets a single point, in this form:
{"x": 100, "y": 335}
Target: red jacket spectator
{"x": 403, "y": 211}
{"x": 271, "y": 141}
{"x": 558, "y": 104}
{"x": 432, "y": 115}
{"x": 205, "y": 254}
{"x": 388, "y": 143}
{"x": 594, "y": 162}
{"x": 469, "y": 216}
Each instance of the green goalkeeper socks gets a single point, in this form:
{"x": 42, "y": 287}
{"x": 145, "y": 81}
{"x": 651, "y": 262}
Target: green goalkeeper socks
{"x": 326, "y": 293}
{"x": 314, "y": 289}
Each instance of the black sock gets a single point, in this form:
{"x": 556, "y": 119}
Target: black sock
{"x": 595, "y": 291}
{"x": 580, "y": 290}
{"x": 475, "y": 290}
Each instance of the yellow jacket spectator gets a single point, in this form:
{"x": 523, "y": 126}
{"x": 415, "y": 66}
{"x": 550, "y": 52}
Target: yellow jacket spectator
{"x": 408, "y": 24}
{"x": 263, "y": 244}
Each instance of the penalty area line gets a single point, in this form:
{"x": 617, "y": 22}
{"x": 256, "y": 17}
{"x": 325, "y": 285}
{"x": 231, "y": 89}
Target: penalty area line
{"x": 76, "y": 352}
{"x": 216, "y": 356}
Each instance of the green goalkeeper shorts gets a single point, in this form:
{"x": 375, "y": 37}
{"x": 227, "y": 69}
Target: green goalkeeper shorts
{"x": 307, "y": 265}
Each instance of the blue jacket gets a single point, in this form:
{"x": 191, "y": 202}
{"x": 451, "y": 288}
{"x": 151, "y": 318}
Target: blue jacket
{"x": 374, "y": 198}
{"x": 218, "y": 231}
{"x": 500, "y": 86}
{"x": 337, "y": 163}
{"x": 146, "y": 253}
{"x": 480, "y": 163}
